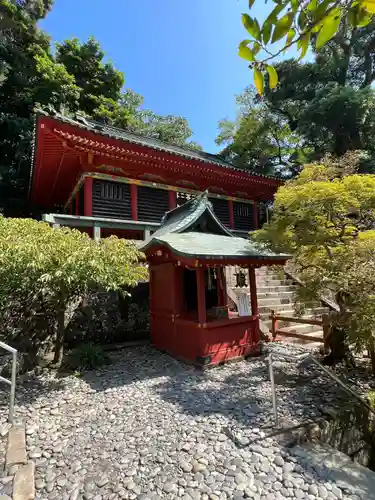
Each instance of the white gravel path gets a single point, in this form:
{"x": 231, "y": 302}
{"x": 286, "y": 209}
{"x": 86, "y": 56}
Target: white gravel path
{"x": 149, "y": 427}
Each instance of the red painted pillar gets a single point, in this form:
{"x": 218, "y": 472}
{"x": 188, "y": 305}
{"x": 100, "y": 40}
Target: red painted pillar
{"x": 151, "y": 285}
{"x": 134, "y": 200}
{"x": 201, "y": 296}
{"x": 253, "y": 292}
{"x": 255, "y": 215}
{"x": 255, "y": 335}
{"x": 77, "y": 203}
{"x": 87, "y": 191}
{"x": 172, "y": 197}
{"x": 231, "y": 214}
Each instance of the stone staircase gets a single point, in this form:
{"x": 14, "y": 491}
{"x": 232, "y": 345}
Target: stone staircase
{"x": 276, "y": 292}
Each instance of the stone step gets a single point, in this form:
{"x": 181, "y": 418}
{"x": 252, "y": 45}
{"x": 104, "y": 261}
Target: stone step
{"x": 24, "y": 482}
{"x": 275, "y": 301}
{"x": 275, "y": 289}
{"x": 270, "y": 295}
{"x": 16, "y": 464}
{"x": 266, "y": 274}
{"x": 334, "y": 466}
{"x": 273, "y": 282}
{"x": 16, "y": 451}
{"x": 289, "y": 310}
{"x": 302, "y": 328}
{"x": 288, "y": 307}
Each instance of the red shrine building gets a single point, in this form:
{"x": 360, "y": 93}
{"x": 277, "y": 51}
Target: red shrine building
{"x": 192, "y": 210}
{"x": 108, "y": 181}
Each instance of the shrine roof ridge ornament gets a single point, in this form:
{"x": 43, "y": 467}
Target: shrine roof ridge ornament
{"x": 110, "y": 131}
{"x": 184, "y": 217}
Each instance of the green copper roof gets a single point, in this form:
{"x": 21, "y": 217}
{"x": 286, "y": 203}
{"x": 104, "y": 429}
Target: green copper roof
{"x": 212, "y": 246}
{"x": 187, "y": 217}
{"x": 193, "y": 230}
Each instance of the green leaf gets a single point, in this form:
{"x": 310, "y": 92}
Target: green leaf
{"x": 251, "y": 3}
{"x": 252, "y": 26}
{"x": 246, "y": 53}
{"x": 352, "y": 17}
{"x": 272, "y": 18}
{"x": 369, "y": 5}
{"x": 320, "y": 13}
{"x": 256, "y": 48}
{"x": 266, "y": 31}
{"x": 291, "y": 34}
{"x": 363, "y": 18}
{"x": 282, "y": 27}
{"x": 312, "y": 5}
{"x": 330, "y": 26}
{"x": 303, "y": 44}
{"x": 295, "y": 5}
{"x": 244, "y": 43}
{"x": 259, "y": 80}
{"x": 273, "y": 77}
{"x": 302, "y": 20}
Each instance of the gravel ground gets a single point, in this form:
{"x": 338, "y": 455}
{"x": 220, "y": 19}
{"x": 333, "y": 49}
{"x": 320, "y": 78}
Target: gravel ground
{"x": 149, "y": 427}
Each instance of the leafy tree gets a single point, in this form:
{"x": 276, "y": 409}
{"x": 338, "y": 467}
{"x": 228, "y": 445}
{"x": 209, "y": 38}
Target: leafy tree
{"x": 51, "y": 270}
{"x": 97, "y": 81}
{"x": 260, "y": 139}
{"x": 170, "y": 129}
{"x": 74, "y": 79}
{"x": 325, "y": 218}
{"x": 36, "y": 9}
{"x": 29, "y": 76}
{"x": 297, "y": 23}
{"x": 329, "y": 103}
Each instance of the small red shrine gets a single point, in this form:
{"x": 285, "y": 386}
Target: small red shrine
{"x": 189, "y": 315}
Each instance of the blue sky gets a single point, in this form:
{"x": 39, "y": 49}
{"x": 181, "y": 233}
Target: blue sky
{"x": 181, "y": 56}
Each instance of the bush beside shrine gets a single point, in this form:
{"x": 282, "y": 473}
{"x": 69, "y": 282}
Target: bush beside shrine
{"x": 45, "y": 276}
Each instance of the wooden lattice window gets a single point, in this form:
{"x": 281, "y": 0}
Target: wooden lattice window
{"x": 243, "y": 216}
{"x": 111, "y": 199}
{"x": 112, "y": 191}
{"x": 152, "y": 203}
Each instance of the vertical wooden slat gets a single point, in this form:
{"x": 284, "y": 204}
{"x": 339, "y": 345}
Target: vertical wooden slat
{"x": 231, "y": 213}
{"x": 134, "y": 200}
{"x": 255, "y": 215}
{"x": 87, "y": 210}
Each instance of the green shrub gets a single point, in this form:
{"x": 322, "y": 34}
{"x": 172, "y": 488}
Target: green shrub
{"x": 87, "y": 357}
{"x": 45, "y": 273}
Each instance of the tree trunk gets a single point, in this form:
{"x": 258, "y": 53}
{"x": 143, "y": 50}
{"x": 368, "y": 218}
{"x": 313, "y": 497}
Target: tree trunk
{"x": 371, "y": 351}
{"x": 339, "y": 350}
{"x": 60, "y": 334}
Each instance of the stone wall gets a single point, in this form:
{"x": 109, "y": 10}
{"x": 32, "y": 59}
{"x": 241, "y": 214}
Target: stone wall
{"x": 111, "y": 317}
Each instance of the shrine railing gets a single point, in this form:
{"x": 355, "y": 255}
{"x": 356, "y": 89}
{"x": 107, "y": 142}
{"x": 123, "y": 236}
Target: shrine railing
{"x": 12, "y": 381}
{"x": 275, "y": 330}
